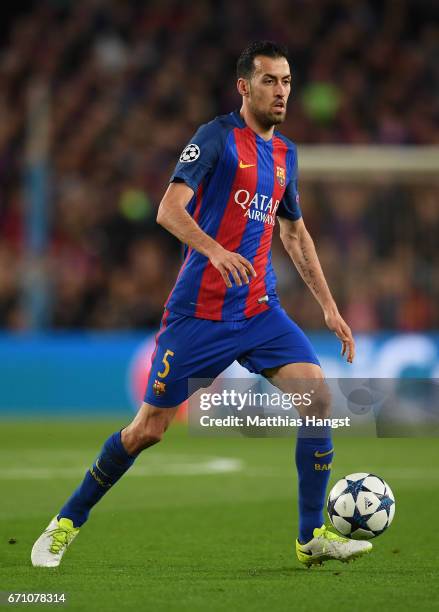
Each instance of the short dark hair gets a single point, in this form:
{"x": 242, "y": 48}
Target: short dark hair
{"x": 245, "y": 65}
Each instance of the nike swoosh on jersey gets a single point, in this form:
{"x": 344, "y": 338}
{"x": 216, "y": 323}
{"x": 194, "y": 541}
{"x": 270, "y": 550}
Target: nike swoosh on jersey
{"x": 242, "y": 165}
{"x": 318, "y": 454}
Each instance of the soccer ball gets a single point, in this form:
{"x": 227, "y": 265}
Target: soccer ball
{"x": 361, "y": 506}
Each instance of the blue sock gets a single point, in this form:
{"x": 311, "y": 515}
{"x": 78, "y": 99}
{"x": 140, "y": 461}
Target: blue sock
{"x": 313, "y": 472}
{"x": 111, "y": 464}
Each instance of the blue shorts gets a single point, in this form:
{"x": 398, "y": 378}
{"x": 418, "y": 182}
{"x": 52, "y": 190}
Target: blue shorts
{"x": 189, "y": 347}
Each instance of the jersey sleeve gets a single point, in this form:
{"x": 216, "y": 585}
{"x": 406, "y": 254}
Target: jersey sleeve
{"x": 199, "y": 156}
{"x": 289, "y": 207}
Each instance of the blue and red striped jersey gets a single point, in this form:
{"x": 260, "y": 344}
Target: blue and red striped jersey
{"x": 240, "y": 183}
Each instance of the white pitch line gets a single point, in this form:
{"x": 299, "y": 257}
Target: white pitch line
{"x": 213, "y": 465}
{"x": 187, "y": 465}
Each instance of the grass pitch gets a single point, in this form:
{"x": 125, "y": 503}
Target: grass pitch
{"x": 210, "y": 524}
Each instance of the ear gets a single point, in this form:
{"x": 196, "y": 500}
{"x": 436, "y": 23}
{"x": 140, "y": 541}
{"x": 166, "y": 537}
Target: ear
{"x": 243, "y": 87}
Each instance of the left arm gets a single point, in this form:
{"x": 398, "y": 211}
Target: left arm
{"x": 300, "y": 247}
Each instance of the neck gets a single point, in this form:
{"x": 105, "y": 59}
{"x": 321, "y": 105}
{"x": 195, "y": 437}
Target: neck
{"x": 255, "y": 125}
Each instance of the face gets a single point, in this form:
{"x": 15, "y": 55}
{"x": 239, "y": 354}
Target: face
{"x": 268, "y": 89}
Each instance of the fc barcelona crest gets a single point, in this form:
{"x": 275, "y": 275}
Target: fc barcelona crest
{"x": 280, "y": 175}
{"x": 158, "y": 387}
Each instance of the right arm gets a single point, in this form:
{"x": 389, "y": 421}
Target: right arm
{"x": 173, "y": 216}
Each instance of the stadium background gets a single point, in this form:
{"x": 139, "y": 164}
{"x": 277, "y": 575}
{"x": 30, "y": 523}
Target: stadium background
{"x": 97, "y": 99}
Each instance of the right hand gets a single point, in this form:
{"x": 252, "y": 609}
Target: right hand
{"x": 228, "y": 262}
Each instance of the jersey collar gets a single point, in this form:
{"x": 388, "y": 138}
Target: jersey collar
{"x": 241, "y": 123}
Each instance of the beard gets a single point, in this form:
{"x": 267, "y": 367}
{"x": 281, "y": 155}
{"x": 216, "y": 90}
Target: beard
{"x": 268, "y": 118}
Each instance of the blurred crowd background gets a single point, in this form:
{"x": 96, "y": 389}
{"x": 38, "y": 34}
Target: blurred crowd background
{"x": 127, "y": 84}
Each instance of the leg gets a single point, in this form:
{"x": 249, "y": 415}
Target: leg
{"x": 117, "y": 456}
{"x": 314, "y": 452}
{"x": 185, "y": 347}
{"x": 275, "y": 339}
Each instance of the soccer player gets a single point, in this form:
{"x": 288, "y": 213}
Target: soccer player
{"x": 233, "y": 179}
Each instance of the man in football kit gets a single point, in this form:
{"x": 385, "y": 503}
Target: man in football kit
{"x": 234, "y": 178}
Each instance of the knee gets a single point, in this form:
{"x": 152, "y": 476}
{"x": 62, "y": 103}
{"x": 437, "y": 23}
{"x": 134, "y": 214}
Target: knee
{"x": 147, "y": 428}
{"x": 321, "y": 408}
{"x": 136, "y": 439}
{"x": 321, "y": 403}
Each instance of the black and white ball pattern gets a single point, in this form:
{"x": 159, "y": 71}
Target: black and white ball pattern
{"x": 361, "y": 506}
{"x": 190, "y": 153}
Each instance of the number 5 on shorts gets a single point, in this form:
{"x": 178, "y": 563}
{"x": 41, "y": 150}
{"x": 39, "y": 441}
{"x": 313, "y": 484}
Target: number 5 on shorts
{"x": 166, "y": 362}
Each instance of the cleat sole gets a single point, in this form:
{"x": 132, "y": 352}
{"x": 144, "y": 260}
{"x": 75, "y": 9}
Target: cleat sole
{"x": 320, "y": 560}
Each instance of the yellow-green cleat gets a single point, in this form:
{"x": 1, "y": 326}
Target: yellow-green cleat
{"x": 329, "y": 546}
{"x": 53, "y": 542}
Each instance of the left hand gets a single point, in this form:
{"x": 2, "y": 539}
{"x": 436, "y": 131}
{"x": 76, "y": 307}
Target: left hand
{"x": 341, "y": 329}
